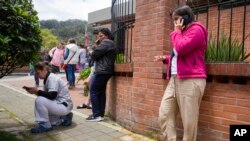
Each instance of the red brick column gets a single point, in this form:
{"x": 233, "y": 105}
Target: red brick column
{"x": 152, "y": 28}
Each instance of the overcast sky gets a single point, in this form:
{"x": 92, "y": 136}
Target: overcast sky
{"x": 68, "y": 9}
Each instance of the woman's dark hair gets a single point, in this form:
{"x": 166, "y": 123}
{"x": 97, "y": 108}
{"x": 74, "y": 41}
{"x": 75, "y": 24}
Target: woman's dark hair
{"x": 107, "y": 33}
{"x": 72, "y": 40}
{"x": 82, "y": 46}
{"x": 42, "y": 65}
{"x": 95, "y": 32}
{"x": 186, "y": 13}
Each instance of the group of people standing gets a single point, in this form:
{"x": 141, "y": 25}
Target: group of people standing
{"x": 71, "y": 56}
{"x": 186, "y": 74}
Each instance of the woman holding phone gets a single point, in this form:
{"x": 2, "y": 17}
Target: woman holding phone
{"x": 186, "y": 74}
{"x": 53, "y": 105}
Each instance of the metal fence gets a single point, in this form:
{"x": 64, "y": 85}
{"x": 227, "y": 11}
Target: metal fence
{"x": 122, "y": 24}
{"x": 225, "y": 19}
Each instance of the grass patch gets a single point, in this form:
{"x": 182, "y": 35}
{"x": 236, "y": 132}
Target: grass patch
{"x": 6, "y": 136}
{"x": 153, "y": 136}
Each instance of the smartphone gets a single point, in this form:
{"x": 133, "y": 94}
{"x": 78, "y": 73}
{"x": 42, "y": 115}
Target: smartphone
{"x": 98, "y": 42}
{"x": 185, "y": 19}
{"x": 26, "y": 88}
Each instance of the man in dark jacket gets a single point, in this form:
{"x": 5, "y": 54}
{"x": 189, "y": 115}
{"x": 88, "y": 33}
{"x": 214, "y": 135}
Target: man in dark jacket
{"x": 104, "y": 57}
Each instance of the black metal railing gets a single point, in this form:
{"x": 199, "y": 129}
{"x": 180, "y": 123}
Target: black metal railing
{"x": 122, "y": 24}
{"x": 224, "y": 18}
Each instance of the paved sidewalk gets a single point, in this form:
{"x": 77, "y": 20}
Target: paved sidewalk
{"x": 17, "y": 116}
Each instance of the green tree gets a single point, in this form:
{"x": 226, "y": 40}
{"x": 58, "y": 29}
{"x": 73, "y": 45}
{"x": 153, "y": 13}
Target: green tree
{"x": 20, "y": 39}
{"x": 49, "y": 40}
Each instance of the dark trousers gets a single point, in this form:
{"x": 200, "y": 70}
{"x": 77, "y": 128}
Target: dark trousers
{"x": 36, "y": 77}
{"x": 98, "y": 94}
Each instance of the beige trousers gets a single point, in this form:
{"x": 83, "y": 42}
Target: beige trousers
{"x": 184, "y": 96}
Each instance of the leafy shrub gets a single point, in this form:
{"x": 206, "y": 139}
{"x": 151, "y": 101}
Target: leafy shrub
{"x": 83, "y": 75}
{"x": 20, "y": 39}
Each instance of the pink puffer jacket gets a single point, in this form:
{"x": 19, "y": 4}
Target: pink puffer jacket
{"x": 190, "y": 46}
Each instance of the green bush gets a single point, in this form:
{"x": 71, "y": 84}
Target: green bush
{"x": 224, "y": 50}
{"x": 20, "y": 39}
{"x": 83, "y": 75}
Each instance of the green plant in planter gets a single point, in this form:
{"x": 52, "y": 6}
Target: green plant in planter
{"x": 83, "y": 75}
{"x": 224, "y": 50}
{"x": 119, "y": 58}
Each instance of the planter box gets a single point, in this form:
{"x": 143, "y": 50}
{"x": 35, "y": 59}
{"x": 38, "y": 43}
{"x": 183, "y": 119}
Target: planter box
{"x": 229, "y": 69}
{"x": 124, "y": 67}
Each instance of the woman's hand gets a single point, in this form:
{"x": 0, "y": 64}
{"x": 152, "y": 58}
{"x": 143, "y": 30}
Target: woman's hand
{"x": 31, "y": 90}
{"x": 97, "y": 42}
{"x": 178, "y": 24}
{"x": 159, "y": 58}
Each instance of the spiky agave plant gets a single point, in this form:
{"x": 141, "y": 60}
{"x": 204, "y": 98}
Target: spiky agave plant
{"x": 225, "y": 50}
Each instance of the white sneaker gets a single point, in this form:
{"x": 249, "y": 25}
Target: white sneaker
{"x": 95, "y": 119}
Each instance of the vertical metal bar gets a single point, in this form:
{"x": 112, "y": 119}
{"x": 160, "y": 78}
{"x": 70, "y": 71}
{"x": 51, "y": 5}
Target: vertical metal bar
{"x": 119, "y": 23}
{"x": 208, "y": 2}
{"x": 133, "y": 17}
{"x": 218, "y": 31}
{"x": 132, "y": 27}
{"x": 115, "y": 22}
{"x": 113, "y": 16}
{"x": 126, "y": 28}
{"x": 244, "y": 26}
{"x": 230, "y": 33}
{"x": 198, "y": 9}
{"x": 122, "y": 29}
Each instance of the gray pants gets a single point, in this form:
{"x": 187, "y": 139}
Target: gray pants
{"x": 49, "y": 110}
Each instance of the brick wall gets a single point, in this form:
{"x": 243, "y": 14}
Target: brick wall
{"x": 134, "y": 101}
{"x": 222, "y": 105}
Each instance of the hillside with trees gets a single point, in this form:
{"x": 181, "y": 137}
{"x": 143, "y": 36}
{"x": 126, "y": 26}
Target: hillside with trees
{"x": 64, "y": 30}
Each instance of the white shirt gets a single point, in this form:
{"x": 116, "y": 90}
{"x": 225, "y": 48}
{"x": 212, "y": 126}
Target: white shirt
{"x": 55, "y": 83}
{"x": 174, "y": 63}
{"x": 82, "y": 55}
{"x": 73, "y": 51}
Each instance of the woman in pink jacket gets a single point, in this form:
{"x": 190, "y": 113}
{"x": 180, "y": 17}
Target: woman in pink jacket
{"x": 56, "y": 54}
{"x": 186, "y": 74}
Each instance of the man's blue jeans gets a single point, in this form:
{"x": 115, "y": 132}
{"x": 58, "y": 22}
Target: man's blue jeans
{"x": 71, "y": 74}
{"x": 98, "y": 94}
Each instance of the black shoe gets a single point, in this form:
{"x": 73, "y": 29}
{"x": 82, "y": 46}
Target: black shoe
{"x": 68, "y": 119}
{"x": 82, "y": 106}
{"x": 89, "y": 107}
